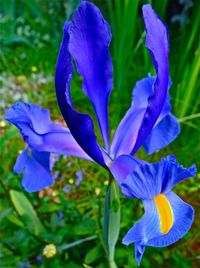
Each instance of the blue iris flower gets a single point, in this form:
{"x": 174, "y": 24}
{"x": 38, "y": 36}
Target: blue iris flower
{"x": 167, "y": 218}
{"x": 148, "y": 122}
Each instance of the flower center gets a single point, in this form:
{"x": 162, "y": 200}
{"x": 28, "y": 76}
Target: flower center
{"x": 165, "y": 213}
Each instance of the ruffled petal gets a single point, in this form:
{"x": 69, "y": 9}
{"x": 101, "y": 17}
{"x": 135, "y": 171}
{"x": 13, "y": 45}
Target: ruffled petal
{"x": 122, "y": 166}
{"x": 162, "y": 134}
{"x": 157, "y": 43}
{"x": 148, "y": 180}
{"x": 90, "y": 38}
{"x": 81, "y": 125}
{"x": 40, "y": 133}
{"x": 36, "y": 166}
{"x": 183, "y": 215}
{"x": 174, "y": 172}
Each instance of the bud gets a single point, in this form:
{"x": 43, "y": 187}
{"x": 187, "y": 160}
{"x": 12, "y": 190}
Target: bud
{"x": 49, "y": 251}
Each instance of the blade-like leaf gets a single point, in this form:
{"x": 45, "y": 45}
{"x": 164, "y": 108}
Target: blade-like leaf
{"x": 27, "y": 212}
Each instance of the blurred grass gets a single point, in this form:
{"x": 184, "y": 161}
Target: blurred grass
{"x": 30, "y": 39}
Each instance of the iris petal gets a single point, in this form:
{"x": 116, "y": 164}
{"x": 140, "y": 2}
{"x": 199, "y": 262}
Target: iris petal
{"x": 146, "y": 228}
{"x": 183, "y": 219}
{"x": 162, "y": 134}
{"x": 80, "y": 125}
{"x": 126, "y": 133}
{"x": 36, "y": 166}
{"x": 122, "y": 166}
{"x": 175, "y": 173}
{"x": 40, "y": 133}
{"x": 90, "y": 38}
{"x": 147, "y": 231}
{"x": 144, "y": 182}
{"x": 157, "y": 43}
{"x": 164, "y": 131}
{"x": 148, "y": 180}
{"x": 21, "y": 161}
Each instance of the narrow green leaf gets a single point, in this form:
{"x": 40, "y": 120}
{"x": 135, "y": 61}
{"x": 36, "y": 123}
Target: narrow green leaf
{"x": 27, "y": 212}
{"x": 14, "y": 219}
{"x": 76, "y": 243}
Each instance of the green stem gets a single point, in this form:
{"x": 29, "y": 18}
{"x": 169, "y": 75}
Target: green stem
{"x": 111, "y": 221}
{"x": 76, "y": 243}
{"x": 189, "y": 117}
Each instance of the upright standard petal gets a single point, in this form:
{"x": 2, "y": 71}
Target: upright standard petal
{"x": 127, "y": 131}
{"x": 89, "y": 42}
{"x": 157, "y": 43}
{"x": 80, "y": 125}
{"x": 166, "y": 128}
{"x": 36, "y": 166}
{"x": 40, "y": 133}
{"x": 163, "y": 133}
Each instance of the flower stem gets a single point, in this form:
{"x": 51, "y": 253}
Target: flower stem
{"x": 189, "y": 117}
{"x": 111, "y": 221}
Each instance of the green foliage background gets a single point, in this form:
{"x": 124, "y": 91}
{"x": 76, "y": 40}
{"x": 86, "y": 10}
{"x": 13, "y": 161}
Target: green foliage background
{"x": 30, "y": 38}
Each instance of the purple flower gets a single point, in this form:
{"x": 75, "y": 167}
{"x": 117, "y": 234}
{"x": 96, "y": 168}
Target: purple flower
{"x": 148, "y": 122}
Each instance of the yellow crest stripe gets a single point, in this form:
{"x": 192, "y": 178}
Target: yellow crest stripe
{"x": 165, "y": 213}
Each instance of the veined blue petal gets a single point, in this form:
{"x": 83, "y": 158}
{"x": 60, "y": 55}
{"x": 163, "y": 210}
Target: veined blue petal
{"x": 144, "y": 182}
{"x": 148, "y": 180}
{"x": 90, "y": 38}
{"x": 80, "y": 125}
{"x": 122, "y": 166}
{"x": 36, "y": 166}
{"x": 183, "y": 215}
{"x": 146, "y": 228}
{"x": 157, "y": 43}
{"x": 162, "y": 134}
{"x": 175, "y": 173}
{"x": 40, "y": 133}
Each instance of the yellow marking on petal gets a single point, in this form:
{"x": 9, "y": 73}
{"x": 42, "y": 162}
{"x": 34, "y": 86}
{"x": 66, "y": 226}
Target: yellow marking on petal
{"x": 165, "y": 213}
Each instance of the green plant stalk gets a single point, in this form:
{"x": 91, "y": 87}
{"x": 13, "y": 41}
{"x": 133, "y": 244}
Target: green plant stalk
{"x": 189, "y": 117}
{"x": 111, "y": 221}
